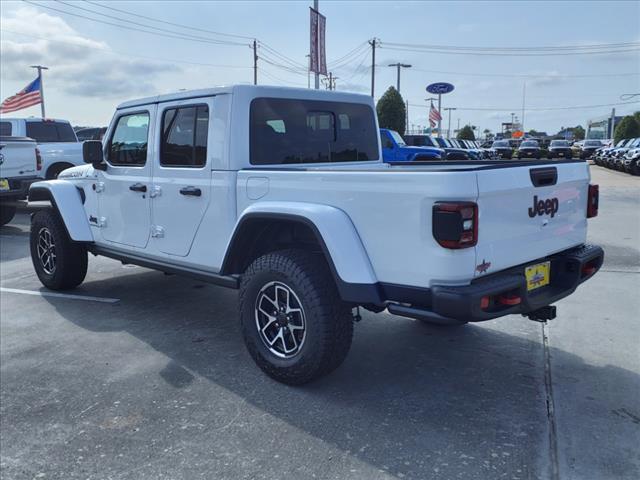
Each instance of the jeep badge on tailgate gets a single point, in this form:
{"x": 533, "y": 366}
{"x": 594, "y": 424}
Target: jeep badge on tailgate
{"x": 543, "y": 207}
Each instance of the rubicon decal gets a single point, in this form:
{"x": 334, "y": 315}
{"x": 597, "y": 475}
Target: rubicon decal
{"x": 544, "y": 207}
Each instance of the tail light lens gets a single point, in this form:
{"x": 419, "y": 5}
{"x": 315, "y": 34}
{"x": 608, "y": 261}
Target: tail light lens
{"x": 593, "y": 200}
{"x": 38, "y": 160}
{"x": 455, "y": 224}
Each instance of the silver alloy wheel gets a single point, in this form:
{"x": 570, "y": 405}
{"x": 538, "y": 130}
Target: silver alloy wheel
{"x": 280, "y": 319}
{"x": 47, "y": 251}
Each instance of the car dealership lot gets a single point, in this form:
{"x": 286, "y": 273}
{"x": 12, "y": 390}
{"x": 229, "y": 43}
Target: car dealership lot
{"x": 149, "y": 378}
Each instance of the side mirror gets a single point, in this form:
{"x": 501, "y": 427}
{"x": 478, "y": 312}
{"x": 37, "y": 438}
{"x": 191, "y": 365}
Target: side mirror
{"x": 92, "y": 153}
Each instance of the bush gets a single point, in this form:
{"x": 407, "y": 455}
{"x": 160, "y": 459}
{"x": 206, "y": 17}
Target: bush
{"x": 466, "y": 133}
{"x": 391, "y": 111}
{"x": 544, "y": 153}
{"x": 627, "y": 128}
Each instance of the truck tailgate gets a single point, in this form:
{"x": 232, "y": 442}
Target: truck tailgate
{"x": 18, "y": 157}
{"x": 525, "y": 215}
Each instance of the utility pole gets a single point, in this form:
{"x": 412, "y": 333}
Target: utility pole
{"x": 524, "y": 92}
{"x": 316, "y": 7}
{"x": 308, "y": 71}
{"x": 399, "y": 66}
{"x": 613, "y": 124}
{"x": 373, "y": 65}
{"x": 406, "y": 122}
{"x": 255, "y": 62}
{"x": 449, "y": 128}
{"x": 40, "y": 68}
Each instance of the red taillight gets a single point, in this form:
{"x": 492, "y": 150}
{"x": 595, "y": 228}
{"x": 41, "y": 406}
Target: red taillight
{"x": 593, "y": 200}
{"x": 455, "y": 224}
{"x": 38, "y": 160}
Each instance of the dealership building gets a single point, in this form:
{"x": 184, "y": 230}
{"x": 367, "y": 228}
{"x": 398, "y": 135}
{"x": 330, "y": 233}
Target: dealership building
{"x": 602, "y": 127}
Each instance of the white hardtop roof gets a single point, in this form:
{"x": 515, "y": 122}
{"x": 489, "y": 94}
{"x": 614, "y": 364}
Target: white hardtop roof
{"x": 34, "y": 119}
{"x": 252, "y": 91}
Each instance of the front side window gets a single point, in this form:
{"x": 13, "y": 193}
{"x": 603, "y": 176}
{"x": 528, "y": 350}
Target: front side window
{"x": 5, "y": 129}
{"x": 184, "y": 136}
{"x": 288, "y": 131}
{"x": 128, "y": 145}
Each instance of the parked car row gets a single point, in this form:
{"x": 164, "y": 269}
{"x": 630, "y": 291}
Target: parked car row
{"x": 624, "y": 156}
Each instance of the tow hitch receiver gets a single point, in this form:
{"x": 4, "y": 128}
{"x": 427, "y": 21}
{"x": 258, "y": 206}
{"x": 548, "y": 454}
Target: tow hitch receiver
{"x": 542, "y": 314}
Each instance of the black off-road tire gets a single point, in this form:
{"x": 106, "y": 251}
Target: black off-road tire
{"x": 70, "y": 257}
{"x": 54, "y": 170}
{"x": 328, "y": 320}
{"x": 7, "y": 212}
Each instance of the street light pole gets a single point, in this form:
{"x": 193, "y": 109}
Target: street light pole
{"x": 449, "y": 128}
{"x": 316, "y": 7}
{"x": 399, "y": 66}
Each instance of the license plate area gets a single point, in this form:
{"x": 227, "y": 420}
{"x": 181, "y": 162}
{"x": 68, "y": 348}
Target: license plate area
{"x": 4, "y": 185}
{"x": 537, "y": 275}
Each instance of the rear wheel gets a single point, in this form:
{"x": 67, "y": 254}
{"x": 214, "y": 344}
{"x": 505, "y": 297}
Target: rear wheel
{"x": 293, "y": 321}
{"x": 54, "y": 170}
{"x": 7, "y": 212}
{"x": 60, "y": 263}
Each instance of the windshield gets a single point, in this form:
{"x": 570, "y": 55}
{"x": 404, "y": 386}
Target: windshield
{"x": 592, "y": 143}
{"x": 559, "y": 143}
{"x": 621, "y": 143}
{"x": 501, "y": 144}
{"x": 529, "y": 143}
{"x": 397, "y": 138}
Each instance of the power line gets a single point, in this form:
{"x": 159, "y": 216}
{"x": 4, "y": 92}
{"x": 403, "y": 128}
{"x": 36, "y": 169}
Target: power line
{"x": 526, "y": 75}
{"x": 506, "y": 54}
{"x": 164, "y": 30}
{"x": 189, "y": 27}
{"x": 109, "y": 50}
{"x": 599, "y": 46}
{"x": 126, "y": 27}
{"x": 539, "y": 109}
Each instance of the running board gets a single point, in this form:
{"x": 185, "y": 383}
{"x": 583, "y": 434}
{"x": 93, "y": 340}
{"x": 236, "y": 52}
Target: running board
{"x": 229, "y": 281}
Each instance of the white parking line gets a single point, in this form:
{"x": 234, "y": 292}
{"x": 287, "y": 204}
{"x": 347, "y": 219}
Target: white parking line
{"x": 59, "y": 295}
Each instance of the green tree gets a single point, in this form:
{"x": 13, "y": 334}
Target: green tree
{"x": 533, "y": 133}
{"x": 391, "y": 111}
{"x": 627, "y": 128}
{"x": 578, "y": 133}
{"x": 466, "y": 133}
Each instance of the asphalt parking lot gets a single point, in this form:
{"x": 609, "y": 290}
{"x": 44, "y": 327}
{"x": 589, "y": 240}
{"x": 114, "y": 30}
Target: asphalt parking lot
{"x": 139, "y": 375}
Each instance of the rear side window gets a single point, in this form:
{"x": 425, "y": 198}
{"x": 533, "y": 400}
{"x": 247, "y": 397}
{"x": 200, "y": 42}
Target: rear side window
{"x": 286, "y": 131}
{"x": 49, "y": 132}
{"x": 184, "y": 136}
{"x": 128, "y": 145}
{"x": 5, "y": 129}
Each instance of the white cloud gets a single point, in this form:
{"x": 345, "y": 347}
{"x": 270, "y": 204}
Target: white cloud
{"x": 79, "y": 65}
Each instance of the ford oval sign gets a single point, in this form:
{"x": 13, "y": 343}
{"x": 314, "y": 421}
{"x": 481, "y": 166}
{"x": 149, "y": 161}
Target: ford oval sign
{"x": 440, "y": 88}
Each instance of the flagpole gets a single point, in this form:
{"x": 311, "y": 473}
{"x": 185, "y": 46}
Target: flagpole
{"x": 40, "y": 68}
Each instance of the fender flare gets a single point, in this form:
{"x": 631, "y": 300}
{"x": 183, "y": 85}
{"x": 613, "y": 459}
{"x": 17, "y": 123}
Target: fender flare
{"x": 67, "y": 199}
{"x": 337, "y": 236}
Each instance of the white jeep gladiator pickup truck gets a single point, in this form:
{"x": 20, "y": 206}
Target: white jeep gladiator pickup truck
{"x": 20, "y": 164}
{"x": 57, "y": 142}
{"x": 282, "y": 194}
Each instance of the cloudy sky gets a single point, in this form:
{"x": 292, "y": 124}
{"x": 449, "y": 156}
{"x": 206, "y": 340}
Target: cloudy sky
{"x": 94, "y": 65}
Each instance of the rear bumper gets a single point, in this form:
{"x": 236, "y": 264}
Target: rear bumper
{"x": 446, "y": 304}
{"x": 18, "y": 187}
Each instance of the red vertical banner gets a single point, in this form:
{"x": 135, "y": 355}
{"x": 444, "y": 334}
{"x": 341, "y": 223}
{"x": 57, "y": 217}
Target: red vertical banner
{"x": 313, "y": 40}
{"x": 322, "y": 55}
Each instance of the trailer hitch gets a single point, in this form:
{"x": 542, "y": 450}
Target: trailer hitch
{"x": 542, "y": 314}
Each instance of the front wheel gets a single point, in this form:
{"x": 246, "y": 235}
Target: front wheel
{"x": 59, "y": 262}
{"x": 7, "y": 212}
{"x": 293, "y": 321}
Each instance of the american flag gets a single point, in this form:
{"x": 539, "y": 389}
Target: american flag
{"x": 28, "y": 96}
{"x": 434, "y": 116}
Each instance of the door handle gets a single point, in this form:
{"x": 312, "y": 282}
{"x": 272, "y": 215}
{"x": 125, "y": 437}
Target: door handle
{"x": 138, "y": 187}
{"x": 191, "y": 191}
